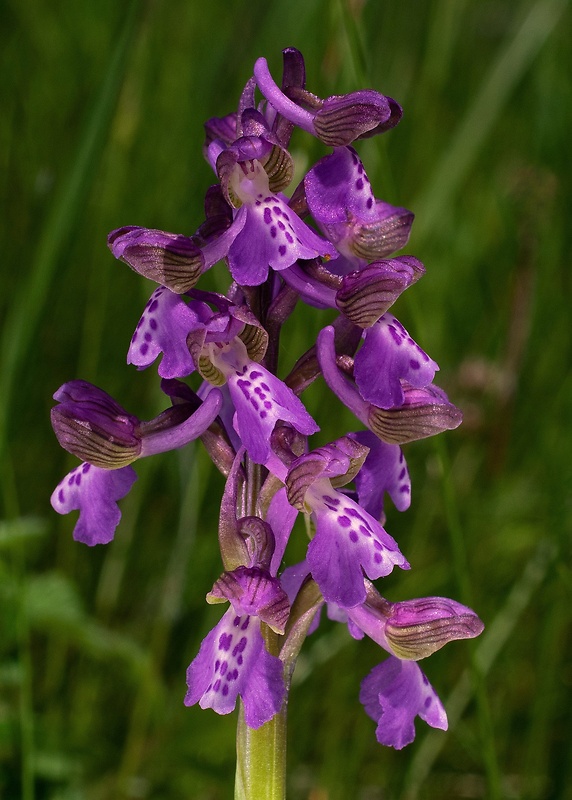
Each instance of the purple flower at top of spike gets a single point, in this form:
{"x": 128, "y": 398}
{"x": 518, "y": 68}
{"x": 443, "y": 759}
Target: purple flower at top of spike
{"x": 267, "y": 233}
{"x": 340, "y": 199}
{"x": 338, "y": 120}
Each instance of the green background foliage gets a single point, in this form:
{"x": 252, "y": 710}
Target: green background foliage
{"x": 101, "y": 126}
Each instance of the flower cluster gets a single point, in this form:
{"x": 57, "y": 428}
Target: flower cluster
{"x": 227, "y": 345}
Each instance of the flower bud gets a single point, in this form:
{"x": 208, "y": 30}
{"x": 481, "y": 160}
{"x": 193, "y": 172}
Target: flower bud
{"x": 170, "y": 259}
{"x": 366, "y": 294}
{"x": 255, "y": 592}
{"x": 91, "y": 425}
{"x": 344, "y": 118}
{"x": 417, "y": 628}
{"x": 425, "y": 412}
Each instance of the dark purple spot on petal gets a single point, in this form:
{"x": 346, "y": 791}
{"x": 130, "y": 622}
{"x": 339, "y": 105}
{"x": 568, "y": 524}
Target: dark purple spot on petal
{"x": 153, "y": 306}
{"x": 359, "y": 184}
{"x": 61, "y": 495}
{"x": 369, "y": 202}
{"x": 143, "y": 349}
{"x": 414, "y": 364}
{"x": 216, "y": 686}
{"x": 273, "y": 231}
{"x": 289, "y": 238}
{"x": 377, "y": 558}
{"x": 344, "y": 522}
{"x": 282, "y": 250}
{"x": 86, "y": 468}
{"x": 267, "y": 216}
{"x": 428, "y": 701}
{"x": 153, "y": 324}
{"x": 263, "y": 414}
{"x": 353, "y": 537}
{"x": 225, "y": 690}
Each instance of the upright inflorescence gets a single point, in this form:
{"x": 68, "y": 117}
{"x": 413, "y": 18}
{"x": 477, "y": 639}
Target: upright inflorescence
{"x": 254, "y": 424}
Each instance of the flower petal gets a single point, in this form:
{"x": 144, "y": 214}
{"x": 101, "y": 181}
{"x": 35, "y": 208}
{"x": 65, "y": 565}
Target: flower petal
{"x": 163, "y": 328}
{"x": 273, "y": 236}
{"x": 389, "y": 355}
{"x": 94, "y": 492}
{"x": 261, "y": 399}
{"x": 233, "y": 661}
{"x": 348, "y": 542}
{"x": 393, "y": 694}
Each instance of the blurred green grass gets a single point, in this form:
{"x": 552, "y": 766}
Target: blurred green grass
{"x": 101, "y": 126}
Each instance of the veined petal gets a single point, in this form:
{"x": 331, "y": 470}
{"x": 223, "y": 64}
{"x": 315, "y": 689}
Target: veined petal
{"x": 171, "y": 259}
{"x": 424, "y": 412}
{"x": 367, "y": 293}
{"x": 233, "y": 661}
{"x": 393, "y": 694}
{"x": 94, "y": 492}
{"x": 255, "y": 592}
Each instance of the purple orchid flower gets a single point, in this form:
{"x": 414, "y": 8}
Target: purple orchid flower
{"x": 233, "y": 659}
{"x": 93, "y": 426}
{"x": 338, "y": 120}
{"x": 340, "y": 199}
{"x": 396, "y": 691}
{"x": 265, "y": 232}
{"x": 260, "y": 399}
{"x": 424, "y": 412}
{"x": 348, "y": 541}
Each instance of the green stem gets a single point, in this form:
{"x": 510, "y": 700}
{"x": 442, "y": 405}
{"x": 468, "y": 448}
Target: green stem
{"x": 261, "y": 759}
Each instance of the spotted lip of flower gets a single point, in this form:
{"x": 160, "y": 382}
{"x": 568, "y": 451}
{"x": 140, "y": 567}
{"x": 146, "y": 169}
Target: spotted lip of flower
{"x": 424, "y": 412}
{"x": 259, "y": 397}
{"x": 233, "y": 659}
{"x": 393, "y": 694}
{"x": 265, "y": 232}
{"x": 340, "y": 199}
{"x": 348, "y": 541}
